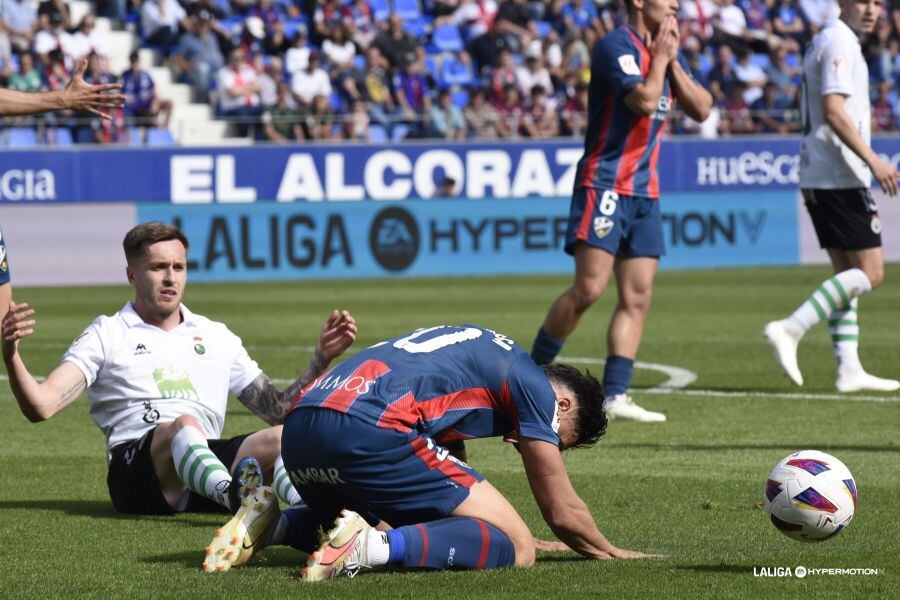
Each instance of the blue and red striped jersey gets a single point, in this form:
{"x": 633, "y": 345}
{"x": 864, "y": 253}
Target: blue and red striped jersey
{"x": 450, "y": 382}
{"x": 621, "y": 148}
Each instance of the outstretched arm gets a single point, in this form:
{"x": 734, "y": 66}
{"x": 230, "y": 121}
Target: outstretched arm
{"x": 566, "y": 514}
{"x": 77, "y": 95}
{"x": 271, "y": 404}
{"x": 37, "y": 401}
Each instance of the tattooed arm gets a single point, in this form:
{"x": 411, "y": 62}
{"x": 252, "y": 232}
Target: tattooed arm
{"x": 37, "y": 401}
{"x": 272, "y": 404}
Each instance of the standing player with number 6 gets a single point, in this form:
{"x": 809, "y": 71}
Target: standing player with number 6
{"x": 614, "y": 223}
{"x": 836, "y": 168}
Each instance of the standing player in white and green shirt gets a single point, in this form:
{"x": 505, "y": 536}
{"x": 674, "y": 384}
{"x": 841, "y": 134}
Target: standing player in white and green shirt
{"x": 158, "y": 378}
{"x": 837, "y": 164}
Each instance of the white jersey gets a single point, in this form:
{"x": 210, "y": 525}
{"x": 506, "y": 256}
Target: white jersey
{"x": 139, "y": 375}
{"x": 834, "y": 64}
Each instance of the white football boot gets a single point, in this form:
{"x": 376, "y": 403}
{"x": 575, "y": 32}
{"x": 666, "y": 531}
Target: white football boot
{"x": 858, "y": 381}
{"x": 343, "y": 550}
{"x": 622, "y": 408}
{"x": 784, "y": 346}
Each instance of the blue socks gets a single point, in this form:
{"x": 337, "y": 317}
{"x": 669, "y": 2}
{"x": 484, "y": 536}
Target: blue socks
{"x": 456, "y": 542}
{"x": 617, "y": 375}
{"x": 545, "y": 348}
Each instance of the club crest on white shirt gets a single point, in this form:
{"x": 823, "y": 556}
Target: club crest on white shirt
{"x": 629, "y": 65}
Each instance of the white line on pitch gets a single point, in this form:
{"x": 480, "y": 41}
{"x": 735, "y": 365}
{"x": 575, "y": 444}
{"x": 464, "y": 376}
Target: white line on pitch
{"x": 769, "y": 395}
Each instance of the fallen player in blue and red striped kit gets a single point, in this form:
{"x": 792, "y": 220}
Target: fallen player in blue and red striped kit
{"x": 367, "y": 443}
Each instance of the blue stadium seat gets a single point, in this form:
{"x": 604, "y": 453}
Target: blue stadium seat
{"x": 159, "y": 136}
{"x": 455, "y": 72}
{"x": 62, "y": 136}
{"x": 543, "y": 28}
{"x": 84, "y": 135}
{"x": 417, "y": 28}
{"x": 381, "y": 9}
{"x": 135, "y": 136}
{"x": 447, "y": 38}
{"x": 407, "y": 9}
{"x": 460, "y": 98}
{"x": 431, "y": 64}
{"x": 377, "y": 134}
{"x": 359, "y": 62}
{"x": 399, "y": 132}
{"x": 21, "y": 137}
{"x": 760, "y": 60}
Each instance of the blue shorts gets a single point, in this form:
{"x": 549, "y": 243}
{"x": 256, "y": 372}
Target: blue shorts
{"x": 338, "y": 461}
{"x": 628, "y": 226}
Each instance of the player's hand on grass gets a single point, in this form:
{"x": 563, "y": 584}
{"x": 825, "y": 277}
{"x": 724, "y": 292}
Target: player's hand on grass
{"x": 338, "y": 333}
{"x": 884, "y": 174}
{"x": 17, "y": 324}
{"x": 550, "y": 546}
{"x": 626, "y": 554}
{"x": 80, "y": 95}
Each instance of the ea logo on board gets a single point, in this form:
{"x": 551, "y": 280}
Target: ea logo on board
{"x": 394, "y": 239}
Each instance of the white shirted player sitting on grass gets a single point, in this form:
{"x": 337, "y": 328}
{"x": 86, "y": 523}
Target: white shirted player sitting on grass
{"x": 158, "y": 378}
{"x": 836, "y": 168}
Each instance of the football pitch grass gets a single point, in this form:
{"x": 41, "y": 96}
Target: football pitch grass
{"x": 691, "y": 488}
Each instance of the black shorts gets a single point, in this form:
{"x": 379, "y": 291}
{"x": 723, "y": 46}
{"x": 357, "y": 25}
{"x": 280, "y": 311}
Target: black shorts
{"x": 845, "y": 219}
{"x": 134, "y": 488}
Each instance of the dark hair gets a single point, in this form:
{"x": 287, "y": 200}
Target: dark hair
{"x": 590, "y": 418}
{"x": 144, "y": 235}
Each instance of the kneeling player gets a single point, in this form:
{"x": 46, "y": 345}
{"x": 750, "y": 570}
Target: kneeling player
{"x": 367, "y": 437}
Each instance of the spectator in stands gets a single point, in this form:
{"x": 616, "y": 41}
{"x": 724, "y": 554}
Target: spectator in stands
{"x": 356, "y": 125}
{"x": 106, "y": 131}
{"x": 319, "y": 120}
{"x": 533, "y": 73}
{"x": 576, "y": 57}
{"x": 514, "y": 21}
{"x": 371, "y": 84}
{"x": 511, "y": 113}
{"x": 86, "y": 41}
{"x": 56, "y": 7}
{"x": 19, "y": 22}
{"x": 296, "y": 59}
{"x": 818, "y": 12}
{"x": 573, "y": 117}
{"x": 339, "y": 52}
{"x": 197, "y": 55}
{"x": 269, "y": 13}
{"x": 481, "y": 117}
{"x": 503, "y": 75}
{"x": 457, "y": 70}
{"x": 782, "y": 75}
{"x": 5, "y": 58}
{"x": 737, "y": 112}
{"x": 788, "y": 23}
{"x": 215, "y": 13}
{"x": 271, "y": 77}
{"x": 160, "y": 22}
{"x": 141, "y": 100}
{"x": 722, "y": 78}
{"x": 52, "y": 37}
{"x": 445, "y": 120}
{"x": 27, "y": 78}
{"x": 730, "y": 24}
{"x": 311, "y": 82}
{"x": 476, "y": 17}
{"x": 581, "y": 15}
{"x": 281, "y": 121}
{"x": 239, "y": 91}
{"x": 361, "y": 23}
{"x": 486, "y": 49}
{"x": 395, "y": 44}
{"x": 696, "y": 18}
{"x": 750, "y": 74}
{"x": 769, "y": 111}
{"x": 412, "y": 95}
{"x": 277, "y": 43}
{"x": 446, "y": 188}
{"x": 327, "y": 15}
{"x": 540, "y": 120}
{"x": 882, "y": 109}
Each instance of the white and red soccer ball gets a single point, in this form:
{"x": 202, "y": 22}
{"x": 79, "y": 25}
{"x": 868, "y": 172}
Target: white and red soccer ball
{"x": 810, "y": 496}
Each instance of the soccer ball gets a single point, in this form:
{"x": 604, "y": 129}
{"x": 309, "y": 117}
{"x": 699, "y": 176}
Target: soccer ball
{"x": 810, "y": 496}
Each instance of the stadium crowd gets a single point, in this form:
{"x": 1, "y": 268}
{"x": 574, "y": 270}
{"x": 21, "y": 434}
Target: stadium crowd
{"x": 381, "y": 70}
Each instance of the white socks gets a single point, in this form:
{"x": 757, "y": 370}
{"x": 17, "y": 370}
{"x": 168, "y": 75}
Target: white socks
{"x": 284, "y": 489}
{"x": 833, "y": 296}
{"x": 378, "y": 551}
{"x": 200, "y": 470}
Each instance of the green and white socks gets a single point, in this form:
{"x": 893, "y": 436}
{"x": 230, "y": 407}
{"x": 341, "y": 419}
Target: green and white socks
{"x": 282, "y": 485}
{"x": 844, "y": 328}
{"x": 834, "y": 297}
{"x": 200, "y": 470}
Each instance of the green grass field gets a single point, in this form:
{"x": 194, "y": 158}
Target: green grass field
{"x": 691, "y": 488}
